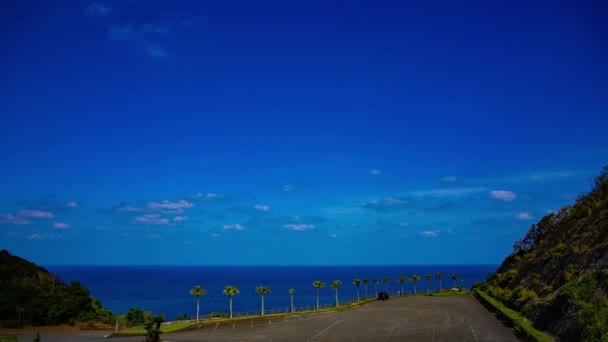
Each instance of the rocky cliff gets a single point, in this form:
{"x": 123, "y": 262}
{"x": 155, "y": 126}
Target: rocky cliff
{"x": 557, "y": 275}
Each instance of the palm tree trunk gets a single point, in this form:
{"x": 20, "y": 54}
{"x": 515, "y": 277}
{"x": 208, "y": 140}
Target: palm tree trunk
{"x": 198, "y": 300}
{"x": 427, "y": 287}
{"x": 230, "y": 306}
{"x": 414, "y": 288}
{"x": 402, "y": 291}
{"x": 358, "y": 299}
{"x": 292, "y": 308}
{"x": 440, "y": 284}
{"x": 337, "y": 297}
{"x": 317, "y": 299}
{"x": 366, "y": 291}
{"x": 262, "y": 304}
{"x": 376, "y": 288}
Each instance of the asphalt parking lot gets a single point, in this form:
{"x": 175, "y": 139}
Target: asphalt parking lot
{"x": 420, "y": 318}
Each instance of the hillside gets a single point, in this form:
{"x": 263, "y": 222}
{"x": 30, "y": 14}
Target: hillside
{"x": 29, "y": 294}
{"x": 557, "y": 275}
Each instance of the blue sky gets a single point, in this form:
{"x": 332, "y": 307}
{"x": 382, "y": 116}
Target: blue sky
{"x": 280, "y": 132}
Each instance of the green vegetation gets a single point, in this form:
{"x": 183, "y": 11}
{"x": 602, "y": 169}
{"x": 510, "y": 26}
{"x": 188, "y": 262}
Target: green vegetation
{"x": 318, "y": 285}
{"x": 262, "y": 290}
{"x": 231, "y": 291}
{"x": 522, "y": 326}
{"x": 198, "y": 292}
{"x": 401, "y": 280}
{"x": 29, "y": 294}
{"x": 357, "y": 283}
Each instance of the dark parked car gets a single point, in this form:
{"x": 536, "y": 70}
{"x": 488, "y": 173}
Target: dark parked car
{"x": 383, "y": 296}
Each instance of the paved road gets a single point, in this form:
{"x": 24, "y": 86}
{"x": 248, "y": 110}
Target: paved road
{"x": 418, "y": 318}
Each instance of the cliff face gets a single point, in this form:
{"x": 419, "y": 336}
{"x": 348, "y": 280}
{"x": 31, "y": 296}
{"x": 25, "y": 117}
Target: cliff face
{"x": 558, "y": 273}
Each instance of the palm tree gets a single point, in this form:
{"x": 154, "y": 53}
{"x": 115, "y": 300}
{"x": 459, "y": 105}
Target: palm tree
{"x": 231, "y": 291}
{"x": 291, "y": 293}
{"x": 262, "y": 290}
{"x": 198, "y": 292}
{"x": 334, "y": 285}
{"x": 462, "y": 284}
{"x": 357, "y": 283}
{"x": 366, "y": 281}
{"x": 454, "y": 277}
{"x": 428, "y": 277}
{"x": 386, "y": 280}
{"x": 401, "y": 280}
{"x": 376, "y": 286}
{"x": 414, "y": 279}
{"x": 318, "y": 284}
{"x": 439, "y": 275}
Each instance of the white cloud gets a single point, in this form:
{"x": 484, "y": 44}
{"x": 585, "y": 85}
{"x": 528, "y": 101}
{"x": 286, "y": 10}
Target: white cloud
{"x": 71, "y": 204}
{"x": 35, "y": 214}
{"x": 35, "y": 236}
{"x": 503, "y": 195}
{"x": 525, "y": 216}
{"x": 449, "y": 179}
{"x": 170, "y": 207}
{"x": 98, "y": 9}
{"x": 299, "y": 227}
{"x": 261, "y": 207}
{"x": 181, "y": 218}
{"x": 60, "y": 225}
{"x": 375, "y": 172}
{"x": 448, "y": 192}
{"x": 429, "y": 233}
{"x": 233, "y": 227}
{"x": 152, "y": 219}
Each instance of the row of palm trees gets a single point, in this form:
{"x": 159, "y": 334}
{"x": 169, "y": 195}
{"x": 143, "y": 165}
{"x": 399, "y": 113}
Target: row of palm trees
{"x": 231, "y": 291}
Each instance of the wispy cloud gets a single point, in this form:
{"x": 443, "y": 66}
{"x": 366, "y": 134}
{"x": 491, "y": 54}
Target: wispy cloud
{"x": 300, "y": 227}
{"x": 156, "y": 50}
{"x": 233, "y": 227}
{"x": 387, "y": 204}
{"x": 71, "y": 204}
{"x": 375, "y": 172}
{"x": 152, "y": 219}
{"x": 122, "y": 32}
{"x": 447, "y": 192}
{"x": 60, "y": 225}
{"x": 97, "y": 8}
{"x": 430, "y": 233}
{"x": 525, "y": 216}
{"x": 287, "y": 187}
{"x": 261, "y": 207}
{"x": 12, "y": 219}
{"x": 170, "y": 207}
{"x": 36, "y": 214}
{"x": 449, "y": 179}
{"x": 153, "y": 28}
{"x": 35, "y": 236}
{"x": 503, "y": 195}
{"x": 180, "y": 219}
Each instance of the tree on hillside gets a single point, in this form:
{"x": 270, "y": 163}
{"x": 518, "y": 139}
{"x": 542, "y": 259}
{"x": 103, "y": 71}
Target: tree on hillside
{"x": 454, "y": 277}
{"x": 198, "y": 292}
{"x": 401, "y": 280}
{"x": 386, "y": 280}
{"x": 414, "y": 279}
{"x": 318, "y": 285}
{"x": 357, "y": 283}
{"x": 439, "y": 275}
{"x": 231, "y": 291}
{"x": 376, "y": 282}
{"x": 291, "y": 293}
{"x": 334, "y": 285}
{"x": 428, "y": 277}
{"x": 366, "y": 281}
{"x": 262, "y": 290}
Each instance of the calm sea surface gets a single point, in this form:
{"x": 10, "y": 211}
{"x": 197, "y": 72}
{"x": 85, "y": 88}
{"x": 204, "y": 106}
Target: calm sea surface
{"x": 165, "y": 289}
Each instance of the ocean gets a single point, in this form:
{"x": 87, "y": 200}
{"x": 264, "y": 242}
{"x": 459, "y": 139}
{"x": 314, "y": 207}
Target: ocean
{"x": 165, "y": 289}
